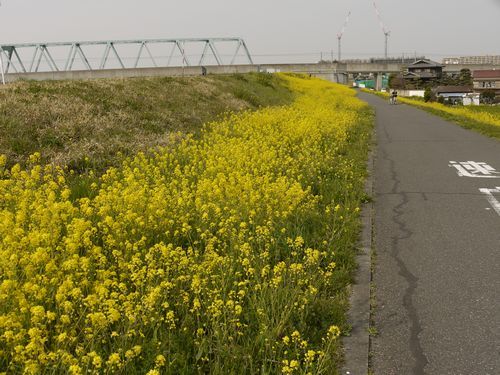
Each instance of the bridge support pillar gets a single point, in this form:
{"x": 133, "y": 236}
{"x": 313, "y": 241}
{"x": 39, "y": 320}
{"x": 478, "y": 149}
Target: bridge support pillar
{"x": 341, "y": 78}
{"x": 378, "y": 81}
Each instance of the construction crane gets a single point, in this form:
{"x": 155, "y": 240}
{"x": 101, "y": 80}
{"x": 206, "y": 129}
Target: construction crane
{"x": 382, "y": 26}
{"x": 341, "y": 34}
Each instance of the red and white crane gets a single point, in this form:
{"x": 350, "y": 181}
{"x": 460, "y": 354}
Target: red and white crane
{"x": 382, "y": 26}
{"x": 341, "y": 34}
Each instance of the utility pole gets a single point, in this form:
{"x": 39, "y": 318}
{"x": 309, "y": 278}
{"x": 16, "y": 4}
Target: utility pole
{"x": 340, "y": 35}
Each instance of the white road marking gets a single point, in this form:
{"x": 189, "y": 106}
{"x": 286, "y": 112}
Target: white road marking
{"x": 491, "y": 198}
{"x": 474, "y": 169}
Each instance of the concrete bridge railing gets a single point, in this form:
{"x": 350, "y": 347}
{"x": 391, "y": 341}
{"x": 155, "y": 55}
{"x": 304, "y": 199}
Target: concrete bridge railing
{"x": 336, "y": 72}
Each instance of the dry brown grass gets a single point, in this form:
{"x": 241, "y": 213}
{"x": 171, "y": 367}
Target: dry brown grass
{"x": 83, "y": 124}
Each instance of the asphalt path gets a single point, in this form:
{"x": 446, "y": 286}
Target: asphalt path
{"x": 437, "y": 243}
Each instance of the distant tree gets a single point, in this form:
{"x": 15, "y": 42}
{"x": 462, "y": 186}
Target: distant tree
{"x": 447, "y": 80}
{"x": 437, "y": 82}
{"x": 419, "y": 83}
{"x": 465, "y": 77}
{"x": 428, "y": 94}
{"x": 488, "y": 96}
{"x": 396, "y": 81}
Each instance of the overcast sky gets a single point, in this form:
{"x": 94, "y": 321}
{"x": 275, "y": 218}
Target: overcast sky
{"x": 298, "y": 28}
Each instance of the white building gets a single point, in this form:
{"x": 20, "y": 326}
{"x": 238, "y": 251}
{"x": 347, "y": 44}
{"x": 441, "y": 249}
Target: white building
{"x": 472, "y": 60}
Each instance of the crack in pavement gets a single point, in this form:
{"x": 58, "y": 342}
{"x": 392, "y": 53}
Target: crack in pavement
{"x": 415, "y": 327}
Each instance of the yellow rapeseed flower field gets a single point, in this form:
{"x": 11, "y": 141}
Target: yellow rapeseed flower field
{"x": 460, "y": 111}
{"x": 223, "y": 254}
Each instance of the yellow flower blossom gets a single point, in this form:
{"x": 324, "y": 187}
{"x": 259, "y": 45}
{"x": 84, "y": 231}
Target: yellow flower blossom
{"x": 187, "y": 252}
{"x": 160, "y": 360}
{"x": 333, "y": 332}
{"x": 114, "y": 360}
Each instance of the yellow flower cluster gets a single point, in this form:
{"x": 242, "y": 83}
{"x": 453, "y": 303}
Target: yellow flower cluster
{"x": 461, "y": 111}
{"x": 209, "y": 256}
{"x": 484, "y": 114}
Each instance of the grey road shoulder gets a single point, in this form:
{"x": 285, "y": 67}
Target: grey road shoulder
{"x": 357, "y": 344}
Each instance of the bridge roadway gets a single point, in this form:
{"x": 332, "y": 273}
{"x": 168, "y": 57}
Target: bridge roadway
{"x": 336, "y": 72}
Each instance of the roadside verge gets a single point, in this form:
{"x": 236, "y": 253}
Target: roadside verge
{"x": 357, "y": 344}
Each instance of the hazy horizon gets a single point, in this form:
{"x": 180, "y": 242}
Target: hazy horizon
{"x": 282, "y": 30}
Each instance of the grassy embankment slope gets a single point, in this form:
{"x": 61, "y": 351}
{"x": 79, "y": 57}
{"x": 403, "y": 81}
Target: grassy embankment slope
{"x": 483, "y": 119}
{"x": 88, "y": 126}
{"x": 82, "y": 124}
{"x": 227, "y": 252}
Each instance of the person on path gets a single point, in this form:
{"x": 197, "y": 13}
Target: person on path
{"x": 394, "y": 96}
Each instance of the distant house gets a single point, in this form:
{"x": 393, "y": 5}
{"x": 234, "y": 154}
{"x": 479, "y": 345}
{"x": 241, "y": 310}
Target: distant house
{"x": 420, "y": 74}
{"x": 486, "y": 80}
{"x": 425, "y": 70}
{"x": 457, "y": 94}
{"x": 452, "y": 91}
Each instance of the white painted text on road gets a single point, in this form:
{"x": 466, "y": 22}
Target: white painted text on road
{"x": 490, "y": 195}
{"x": 474, "y": 169}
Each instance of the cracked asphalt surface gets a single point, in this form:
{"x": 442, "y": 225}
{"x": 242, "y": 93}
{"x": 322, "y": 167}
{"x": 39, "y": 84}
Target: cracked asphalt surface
{"x": 437, "y": 240}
